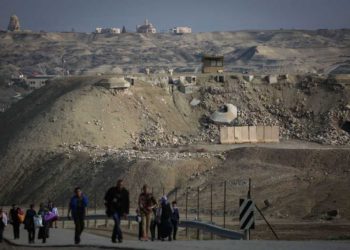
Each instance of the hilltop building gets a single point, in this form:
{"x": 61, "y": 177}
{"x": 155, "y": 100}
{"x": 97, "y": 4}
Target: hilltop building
{"x": 181, "y": 30}
{"x": 147, "y": 27}
{"x": 36, "y": 82}
{"x": 99, "y": 30}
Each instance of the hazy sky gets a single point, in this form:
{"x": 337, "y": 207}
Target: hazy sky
{"x": 201, "y": 15}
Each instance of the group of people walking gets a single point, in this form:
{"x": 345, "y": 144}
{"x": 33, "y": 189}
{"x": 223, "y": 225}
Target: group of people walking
{"x": 42, "y": 220}
{"x": 152, "y": 216}
{"x": 157, "y": 215}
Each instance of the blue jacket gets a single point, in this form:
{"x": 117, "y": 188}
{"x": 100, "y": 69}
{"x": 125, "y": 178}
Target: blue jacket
{"x": 78, "y": 212}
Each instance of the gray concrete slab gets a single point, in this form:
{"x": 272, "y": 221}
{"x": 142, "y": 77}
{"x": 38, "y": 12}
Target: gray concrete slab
{"x": 64, "y": 238}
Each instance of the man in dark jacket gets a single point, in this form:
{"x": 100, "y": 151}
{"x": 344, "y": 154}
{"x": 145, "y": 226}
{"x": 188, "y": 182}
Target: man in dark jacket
{"x": 29, "y": 223}
{"x": 117, "y": 206}
{"x": 77, "y": 206}
{"x": 15, "y": 221}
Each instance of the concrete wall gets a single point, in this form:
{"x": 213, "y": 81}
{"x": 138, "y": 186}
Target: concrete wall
{"x": 251, "y": 134}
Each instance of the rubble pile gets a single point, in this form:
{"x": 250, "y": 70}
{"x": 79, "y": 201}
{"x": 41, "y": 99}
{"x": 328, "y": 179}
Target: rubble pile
{"x": 259, "y": 106}
{"x": 100, "y": 154}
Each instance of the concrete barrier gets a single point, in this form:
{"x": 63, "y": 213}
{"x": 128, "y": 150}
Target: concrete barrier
{"x": 249, "y": 134}
{"x": 227, "y": 135}
{"x": 244, "y": 134}
{"x": 260, "y": 136}
{"x": 253, "y": 134}
{"x": 275, "y": 134}
{"x": 267, "y": 133}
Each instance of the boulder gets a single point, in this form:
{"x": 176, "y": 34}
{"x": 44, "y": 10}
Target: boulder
{"x": 195, "y": 102}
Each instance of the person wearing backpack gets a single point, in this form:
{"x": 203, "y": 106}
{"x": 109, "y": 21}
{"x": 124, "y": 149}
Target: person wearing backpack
{"x": 14, "y": 219}
{"x": 146, "y": 204}
{"x": 29, "y": 223}
{"x": 3, "y": 223}
{"x": 77, "y": 206}
{"x": 117, "y": 206}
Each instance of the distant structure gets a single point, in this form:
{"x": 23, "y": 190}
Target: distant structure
{"x": 124, "y": 29}
{"x": 38, "y": 81}
{"x": 212, "y": 64}
{"x": 99, "y": 30}
{"x": 14, "y": 24}
{"x": 147, "y": 27}
{"x": 181, "y": 30}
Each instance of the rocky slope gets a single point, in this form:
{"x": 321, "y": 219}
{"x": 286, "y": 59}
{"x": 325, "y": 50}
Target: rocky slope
{"x": 72, "y": 132}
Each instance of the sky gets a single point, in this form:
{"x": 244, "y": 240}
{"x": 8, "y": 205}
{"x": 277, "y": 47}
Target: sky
{"x": 201, "y": 15}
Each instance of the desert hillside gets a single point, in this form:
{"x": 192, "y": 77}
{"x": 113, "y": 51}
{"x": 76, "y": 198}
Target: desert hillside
{"x": 73, "y": 132}
{"x": 292, "y": 51}
{"x": 76, "y": 132}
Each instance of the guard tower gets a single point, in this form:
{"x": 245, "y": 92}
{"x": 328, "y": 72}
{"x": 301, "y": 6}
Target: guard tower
{"x": 212, "y": 64}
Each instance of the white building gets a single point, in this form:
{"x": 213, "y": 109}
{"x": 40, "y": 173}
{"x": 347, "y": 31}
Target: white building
{"x": 181, "y": 30}
{"x": 147, "y": 27}
{"x": 99, "y": 30}
{"x": 36, "y": 82}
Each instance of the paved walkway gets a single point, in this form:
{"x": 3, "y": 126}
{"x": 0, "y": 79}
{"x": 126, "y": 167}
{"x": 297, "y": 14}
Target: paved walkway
{"x": 64, "y": 238}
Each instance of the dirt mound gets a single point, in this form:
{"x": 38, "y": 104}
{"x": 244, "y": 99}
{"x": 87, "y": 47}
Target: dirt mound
{"x": 73, "y": 132}
{"x": 299, "y": 184}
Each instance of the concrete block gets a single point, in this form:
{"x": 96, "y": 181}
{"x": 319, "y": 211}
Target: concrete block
{"x": 252, "y": 134}
{"x": 237, "y": 134}
{"x": 245, "y": 134}
{"x": 260, "y": 134}
{"x": 241, "y": 134}
{"x": 186, "y": 89}
{"x": 227, "y": 135}
{"x": 275, "y": 134}
{"x": 272, "y": 79}
{"x": 268, "y": 134}
{"x": 248, "y": 78}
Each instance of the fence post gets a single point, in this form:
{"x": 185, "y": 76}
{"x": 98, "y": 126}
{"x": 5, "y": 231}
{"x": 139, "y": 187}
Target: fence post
{"x": 225, "y": 204}
{"x": 198, "y": 233}
{"x": 247, "y": 232}
{"x": 87, "y": 221}
{"x": 186, "y": 209}
{"x": 95, "y": 198}
{"x": 175, "y": 193}
{"x": 211, "y": 207}
{"x": 63, "y": 215}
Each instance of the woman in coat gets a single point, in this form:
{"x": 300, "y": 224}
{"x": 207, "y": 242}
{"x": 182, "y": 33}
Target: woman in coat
{"x": 44, "y": 230}
{"x": 165, "y": 219}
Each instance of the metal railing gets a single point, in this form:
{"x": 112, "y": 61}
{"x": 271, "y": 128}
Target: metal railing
{"x": 199, "y": 225}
